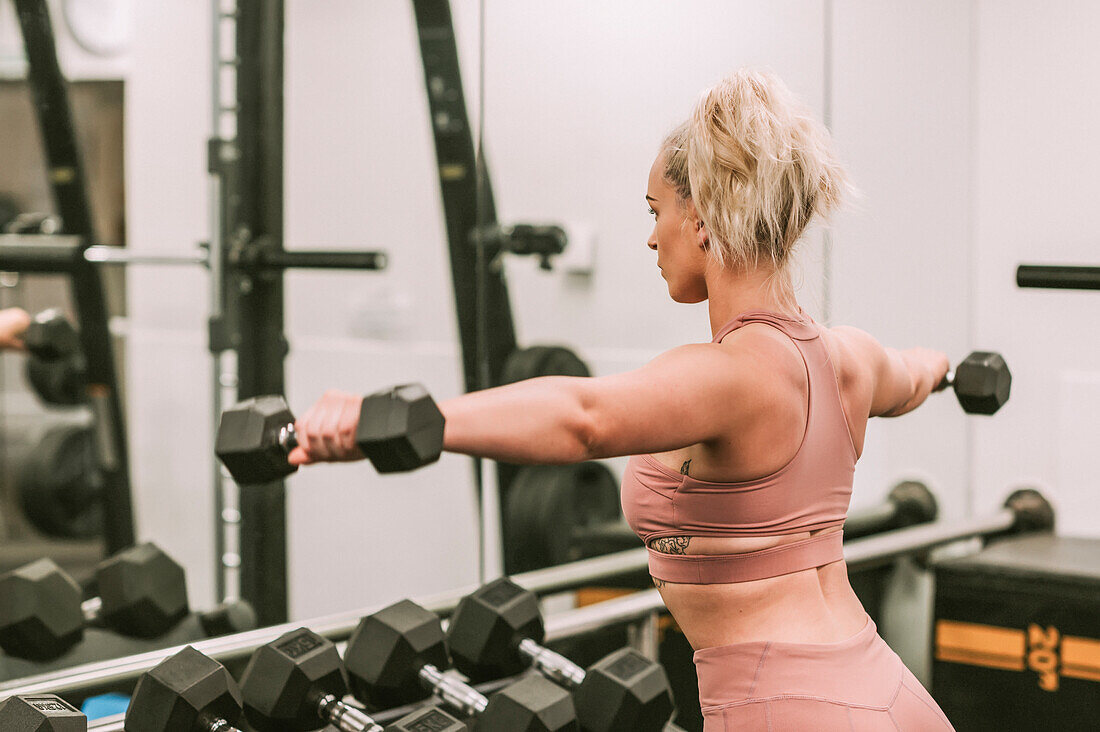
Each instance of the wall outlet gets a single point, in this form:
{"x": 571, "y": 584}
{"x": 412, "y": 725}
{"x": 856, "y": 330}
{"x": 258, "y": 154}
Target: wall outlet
{"x": 579, "y": 257}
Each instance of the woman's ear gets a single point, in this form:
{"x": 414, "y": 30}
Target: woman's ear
{"x": 701, "y": 237}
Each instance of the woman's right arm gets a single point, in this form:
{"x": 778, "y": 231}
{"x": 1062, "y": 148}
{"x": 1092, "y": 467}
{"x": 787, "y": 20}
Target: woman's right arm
{"x": 901, "y": 380}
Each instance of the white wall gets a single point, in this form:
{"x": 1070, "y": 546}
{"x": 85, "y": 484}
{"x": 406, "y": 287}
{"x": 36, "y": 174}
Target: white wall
{"x": 570, "y": 133}
{"x": 928, "y": 110}
{"x": 901, "y": 268}
{"x": 1036, "y": 156}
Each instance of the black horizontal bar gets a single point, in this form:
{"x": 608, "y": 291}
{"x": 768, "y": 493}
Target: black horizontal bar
{"x": 39, "y": 253}
{"x": 277, "y": 259}
{"x": 1058, "y": 277}
{"x": 48, "y": 253}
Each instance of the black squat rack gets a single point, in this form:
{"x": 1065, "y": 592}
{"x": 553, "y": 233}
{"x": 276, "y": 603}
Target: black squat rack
{"x": 246, "y": 258}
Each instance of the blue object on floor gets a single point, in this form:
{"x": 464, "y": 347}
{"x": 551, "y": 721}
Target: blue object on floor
{"x": 104, "y": 705}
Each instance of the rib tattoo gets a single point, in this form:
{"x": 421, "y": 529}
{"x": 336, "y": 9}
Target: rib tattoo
{"x": 672, "y": 544}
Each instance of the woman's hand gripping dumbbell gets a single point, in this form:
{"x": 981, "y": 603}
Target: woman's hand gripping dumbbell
{"x": 398, "y": 429}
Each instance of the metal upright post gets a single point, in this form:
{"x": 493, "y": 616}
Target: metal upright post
{"x": 66, "y": 174}
{"x": 486, "y": 329}
{"x": 463, "y": 196}
{"x": 255, "y": 300}
{"x": 223, "y": 155}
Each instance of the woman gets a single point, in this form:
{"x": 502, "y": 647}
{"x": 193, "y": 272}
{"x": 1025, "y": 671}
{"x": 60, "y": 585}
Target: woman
{"x": 744, "y": 448}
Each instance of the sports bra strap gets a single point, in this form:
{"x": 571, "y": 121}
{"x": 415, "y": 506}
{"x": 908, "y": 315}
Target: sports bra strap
{"x": 797, "y": 329}
{"x": 711, "y": 569}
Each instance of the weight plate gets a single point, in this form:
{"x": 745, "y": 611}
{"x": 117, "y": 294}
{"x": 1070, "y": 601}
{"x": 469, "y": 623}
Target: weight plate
{"x": 60, "y": 488}
{"x": 545, "y": 507}
{"x": 527, "y": 363}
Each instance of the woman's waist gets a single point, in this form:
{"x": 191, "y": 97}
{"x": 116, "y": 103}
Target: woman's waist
{"x": 807, "y": 606}
{"x": 735, "y": 541}
{"x": 713, "y": 560}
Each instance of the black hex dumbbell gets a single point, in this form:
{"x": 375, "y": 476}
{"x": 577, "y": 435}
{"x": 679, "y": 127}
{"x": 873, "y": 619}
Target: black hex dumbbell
{"x": 188, "y": 692}
{"x": 142, "y": 593}
{"x": 398, "y": 655}
{"x": 55, "y": 362}
{"x": 297, "y": 680}
{"x": 981, "y": 382}
{"x": 40, "y": 713}
{"x": 399, "y": 429}
{"x": 498, "y": 631}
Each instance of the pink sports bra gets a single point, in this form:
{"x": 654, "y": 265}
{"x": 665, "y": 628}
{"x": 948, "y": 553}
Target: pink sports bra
{"x": 810, "y": 492}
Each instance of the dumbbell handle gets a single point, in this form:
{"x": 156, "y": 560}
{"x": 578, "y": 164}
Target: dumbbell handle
{"x": 220, "y": 725}
{"x": 91, "y": 609}
{"x": 453, "y": 692}
{"x": 553, "y": 666}
{"x": 288, "y": 437}
{"x": 947, "y": 381}
{"x": 343, "y": 717}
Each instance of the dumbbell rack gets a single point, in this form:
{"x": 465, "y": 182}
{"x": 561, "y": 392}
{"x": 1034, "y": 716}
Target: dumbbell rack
{"x": 1023, "y": 511}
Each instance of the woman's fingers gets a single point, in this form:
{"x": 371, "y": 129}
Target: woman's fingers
{"x": 326, "y": 432}
{"x": 349, "y": 421}
{"x": 298, "y": 456}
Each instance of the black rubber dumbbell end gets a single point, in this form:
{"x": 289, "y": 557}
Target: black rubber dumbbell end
{"x": 387, "y": 650}
{"x": 624, "y": 690}
{"x": 40, "y": 713}
{"x": 914, "y": 502}
{"x": 487, "y": 626}
{"x": 286, "y": 679}
{"x": 400, "y": 429}
{"x": 1033, "y": 511}
{"x": 143, "y": 592}
{"x": 233, "y": 616}
{"x": 533, "y": 704}
{"x": 184, "y": 692}
{"x": 982, "y": 382}
{"x": 51, "y": 337}
{"x": 40, "y": 617}
{"x": 248, "y": 441}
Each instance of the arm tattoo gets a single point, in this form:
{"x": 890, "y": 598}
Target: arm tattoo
{"x": 672, "y": 544}
{"x": 684, "y": 468}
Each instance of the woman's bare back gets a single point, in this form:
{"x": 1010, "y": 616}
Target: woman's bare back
{"x": 813, "y": 605}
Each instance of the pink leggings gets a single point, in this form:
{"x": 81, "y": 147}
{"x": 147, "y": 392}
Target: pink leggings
{"x": 854, "y": 685}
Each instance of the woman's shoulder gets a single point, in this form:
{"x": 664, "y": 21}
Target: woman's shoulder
{"x": 850, "y": 346}
{"x": 777, "y": 369}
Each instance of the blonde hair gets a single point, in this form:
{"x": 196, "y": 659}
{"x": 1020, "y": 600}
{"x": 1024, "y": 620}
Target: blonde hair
{"x": 757, "y": 167}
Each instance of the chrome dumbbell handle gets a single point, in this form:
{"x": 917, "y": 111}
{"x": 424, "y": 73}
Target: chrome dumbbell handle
{"x": 553, "y": 666}
{"x": 343, "y": 717}
{"x": 453, "y": 692}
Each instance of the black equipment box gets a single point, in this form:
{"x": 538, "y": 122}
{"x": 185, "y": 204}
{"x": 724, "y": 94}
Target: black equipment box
{"x": 1016, "y": 640}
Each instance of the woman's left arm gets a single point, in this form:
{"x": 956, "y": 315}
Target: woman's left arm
{"x": 682, "y": 397}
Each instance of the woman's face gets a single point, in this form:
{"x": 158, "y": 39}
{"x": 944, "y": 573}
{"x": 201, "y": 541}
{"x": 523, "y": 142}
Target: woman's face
{"x": 677, "y": 238}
